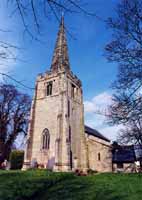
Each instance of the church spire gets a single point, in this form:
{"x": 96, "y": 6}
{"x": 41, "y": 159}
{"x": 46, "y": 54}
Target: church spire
{"x": 60, "y": 57}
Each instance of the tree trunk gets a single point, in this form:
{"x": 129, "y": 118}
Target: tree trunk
{"x": 2, "y": 152}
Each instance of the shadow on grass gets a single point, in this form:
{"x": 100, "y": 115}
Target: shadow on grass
{"x": 77, "y": 188}
{"x": 44, "y": 185}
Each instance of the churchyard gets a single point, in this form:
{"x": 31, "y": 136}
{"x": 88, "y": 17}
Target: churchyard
{"x": 45, "y": 185}
{"x": 70, "y": 100}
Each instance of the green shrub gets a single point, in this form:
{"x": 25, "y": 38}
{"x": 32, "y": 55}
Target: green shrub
{"x": 16, "y": 159}
{"x": 91, "y": 172}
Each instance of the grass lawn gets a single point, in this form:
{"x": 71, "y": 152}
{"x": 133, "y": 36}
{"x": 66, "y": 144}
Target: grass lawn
{"x": 44, "y": 185}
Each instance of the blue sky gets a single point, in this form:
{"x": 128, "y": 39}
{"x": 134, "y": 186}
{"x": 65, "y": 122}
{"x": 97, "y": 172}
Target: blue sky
{"x": 86, "y": 56}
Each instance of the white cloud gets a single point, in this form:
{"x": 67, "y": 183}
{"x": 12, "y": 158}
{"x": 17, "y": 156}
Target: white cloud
{"x": 111, "y": 131}
{"x": 99, "y": 104}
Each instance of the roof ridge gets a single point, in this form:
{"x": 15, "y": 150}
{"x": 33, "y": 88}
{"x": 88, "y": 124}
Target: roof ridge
{"x": 95, "y": 133}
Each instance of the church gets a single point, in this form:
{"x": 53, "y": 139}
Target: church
{"x": 57, "y": 136}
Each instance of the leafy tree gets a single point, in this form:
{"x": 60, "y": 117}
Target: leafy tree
{"x": 126, "y": 50}
{"x": 14, "y": 112}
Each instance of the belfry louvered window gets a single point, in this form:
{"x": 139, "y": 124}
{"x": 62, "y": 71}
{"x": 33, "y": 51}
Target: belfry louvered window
{"x": 49, "y": 88}
{"x": 72, "y": 90}
{"x": 45, "y": 139}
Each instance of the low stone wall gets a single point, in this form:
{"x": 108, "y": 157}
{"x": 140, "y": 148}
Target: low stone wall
{"x": 125, "y": 167}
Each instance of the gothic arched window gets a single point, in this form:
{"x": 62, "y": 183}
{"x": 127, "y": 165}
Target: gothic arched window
{"x": 49, "y": 88}
{"x": 45, "y": 139}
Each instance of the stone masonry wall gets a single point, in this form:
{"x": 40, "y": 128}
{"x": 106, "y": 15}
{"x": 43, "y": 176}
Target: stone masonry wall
{"x": 99, "y": 154}
{"x": 127, "y": 168}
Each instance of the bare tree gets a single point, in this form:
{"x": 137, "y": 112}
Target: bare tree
{"x": 126, "y": 50}
{"x": 33, "y": 15}
{"x": 132, "y": 134}
{"x": 33, "y": 12}
{"x": 7, "y": 53}
{"x": 14, "y": 112}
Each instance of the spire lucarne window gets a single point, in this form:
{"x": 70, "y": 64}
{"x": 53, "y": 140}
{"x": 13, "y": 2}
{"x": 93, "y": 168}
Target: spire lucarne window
{"x": 60, "y": 59}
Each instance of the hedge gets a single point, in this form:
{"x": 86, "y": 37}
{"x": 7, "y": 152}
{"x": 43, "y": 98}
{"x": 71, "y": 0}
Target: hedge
{"x": 16, "y": 159}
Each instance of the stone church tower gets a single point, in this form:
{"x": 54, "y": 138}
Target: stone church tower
{"x": 56, "y": 135}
